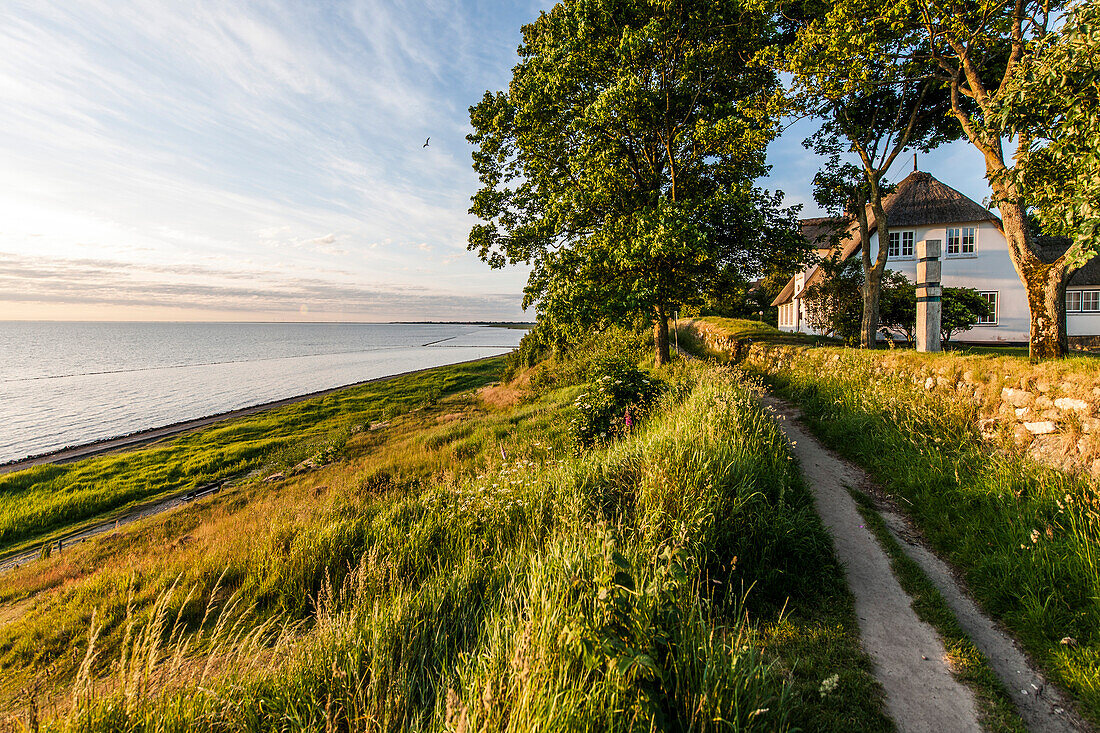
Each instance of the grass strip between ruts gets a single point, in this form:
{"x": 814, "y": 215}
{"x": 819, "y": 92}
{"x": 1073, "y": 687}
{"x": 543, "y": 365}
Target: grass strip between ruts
{"x": 968, "y": 664}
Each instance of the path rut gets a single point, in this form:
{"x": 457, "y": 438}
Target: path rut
{"x": 921, "y": 694}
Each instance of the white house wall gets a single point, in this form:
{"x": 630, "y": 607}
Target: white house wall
{"x": 1083, "y": 324}
{"x": 988, "y": 270}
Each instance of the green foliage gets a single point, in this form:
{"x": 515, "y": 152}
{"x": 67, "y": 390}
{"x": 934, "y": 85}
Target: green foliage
{"x": 898, "y": 306}
{"x": 1054, "y": 99}
{"x": 620, "y": 162}
{"x": 519, "y": 599}
{"x": 834, "y": 302}
{"x": 961, "y": 308}
{"x": 615, "y": 402}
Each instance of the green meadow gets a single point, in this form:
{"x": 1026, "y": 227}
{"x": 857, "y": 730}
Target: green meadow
{"x": 467, "y": 567}
{"x": 51, "y": 500}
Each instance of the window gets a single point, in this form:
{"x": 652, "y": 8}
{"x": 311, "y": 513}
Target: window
{"x": 991, "y": 319}
{"x": 960, "y": 242}
{"x": 1090, "y": 301}
{"x": 1073, "y": 300}
{"x": 901, "y": 244}
{"x": 784, "y": 315}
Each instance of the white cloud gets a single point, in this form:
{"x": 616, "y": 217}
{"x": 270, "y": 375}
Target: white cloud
{"x": 286, "y": 135}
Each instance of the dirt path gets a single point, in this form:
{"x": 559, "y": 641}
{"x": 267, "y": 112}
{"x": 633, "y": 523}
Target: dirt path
{"x": 909, "y": 657}
{"x": 910, "y": 660}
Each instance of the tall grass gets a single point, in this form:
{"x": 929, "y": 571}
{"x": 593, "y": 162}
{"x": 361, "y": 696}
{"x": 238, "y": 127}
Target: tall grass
{"x": 611, "y": 591}
{"x": 1025, "y": 537}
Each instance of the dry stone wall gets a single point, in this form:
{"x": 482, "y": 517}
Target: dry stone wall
{"x": 1051, "y": 411}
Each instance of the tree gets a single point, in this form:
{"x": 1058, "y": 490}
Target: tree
{"x": 961, "y": 309}
{"x": 833, "y": 303}
{"x": 619, "y": 163}
{"x": 876, "y": 97}
{"x": 978, "y": 49}
{"x": 1053, "y": 102}
{"x": 899, "y": 306}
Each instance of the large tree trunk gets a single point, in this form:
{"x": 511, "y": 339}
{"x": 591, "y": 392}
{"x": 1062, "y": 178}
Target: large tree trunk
{"x": 1045, "y": 282}
{"x": 872, "y": 289}
{"x": 660, "y": 336}
{"x": 872, "y": 271}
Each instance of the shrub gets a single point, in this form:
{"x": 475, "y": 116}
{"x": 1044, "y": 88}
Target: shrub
{"x": 617, "y": 398}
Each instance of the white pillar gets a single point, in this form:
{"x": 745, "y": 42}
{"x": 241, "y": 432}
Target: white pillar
{"x": 929, "y": 295}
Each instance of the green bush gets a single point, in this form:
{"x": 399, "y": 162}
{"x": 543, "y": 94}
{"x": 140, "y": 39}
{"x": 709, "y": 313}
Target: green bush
{"x": 618, "y": 398}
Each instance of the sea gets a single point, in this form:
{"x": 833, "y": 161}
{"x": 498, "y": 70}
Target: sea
{"x": 69, "y": 384}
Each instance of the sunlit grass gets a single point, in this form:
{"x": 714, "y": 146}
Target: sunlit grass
{"x": 462, "y": 569}
{"x": 48, "y": 500}
{"x": 1025, "y": 537}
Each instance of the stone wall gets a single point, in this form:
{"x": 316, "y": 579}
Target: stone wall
{"x": 1049, "y": 410}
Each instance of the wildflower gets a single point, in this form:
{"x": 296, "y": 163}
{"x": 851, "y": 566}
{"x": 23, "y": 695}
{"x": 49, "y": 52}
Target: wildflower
{"x": 1034, "y": 536}
{"x": 829, "y": 684}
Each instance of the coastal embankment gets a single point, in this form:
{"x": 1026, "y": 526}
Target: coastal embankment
{"x": 43, "y": 503}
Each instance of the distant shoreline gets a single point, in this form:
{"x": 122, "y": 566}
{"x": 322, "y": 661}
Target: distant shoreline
{"x": 140, "y": 438}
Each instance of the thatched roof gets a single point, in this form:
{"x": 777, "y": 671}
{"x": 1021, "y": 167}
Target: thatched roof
{"x": 1055, "y": 247}
{"x": 919, "y": 200}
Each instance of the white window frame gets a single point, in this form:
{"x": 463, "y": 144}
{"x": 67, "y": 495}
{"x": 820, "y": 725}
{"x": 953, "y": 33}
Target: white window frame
{"x": 996, "y": 300}
{"x": 896, "y": 250}
{"x": 1073, "y": 308}
{"x": 960, "y": 234}
{"x": 1090, "y": 301}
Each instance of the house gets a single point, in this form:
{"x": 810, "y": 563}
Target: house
{"x": 974, "y": 253}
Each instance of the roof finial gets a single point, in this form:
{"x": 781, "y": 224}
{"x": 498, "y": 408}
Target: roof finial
{"x": 914, "y": 161}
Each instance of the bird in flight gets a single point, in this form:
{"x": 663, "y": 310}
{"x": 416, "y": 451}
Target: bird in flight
{"x": 426, "y": 142}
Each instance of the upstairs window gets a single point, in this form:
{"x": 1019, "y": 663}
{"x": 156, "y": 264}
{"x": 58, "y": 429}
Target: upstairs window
{"x": 901, "y": 244}
{"x": 960, "y": 242}
{"x": 991, "y": 319}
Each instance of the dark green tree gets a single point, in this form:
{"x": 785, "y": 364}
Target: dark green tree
{"x": 619, "y": 164}
{"x": 833, "y": 302}
{"x": 898, "y": 306}
{"x": 962, "y": 308}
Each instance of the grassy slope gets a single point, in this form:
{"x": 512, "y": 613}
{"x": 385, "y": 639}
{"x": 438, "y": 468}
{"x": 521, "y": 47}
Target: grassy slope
{"x": 45, "y": 501}
{"x": 1026, "y": 538}
{"x": 438, "y": 583}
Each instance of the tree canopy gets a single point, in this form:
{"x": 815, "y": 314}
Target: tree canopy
{"x": 861, "y": 74}
{"x": 619, "y": 163}
{"x": 1053, "y": 100}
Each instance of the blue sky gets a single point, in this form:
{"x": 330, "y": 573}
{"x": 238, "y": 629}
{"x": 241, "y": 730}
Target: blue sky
{"x": 264, "y": 160}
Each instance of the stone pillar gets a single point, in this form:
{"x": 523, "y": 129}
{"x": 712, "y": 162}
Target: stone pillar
{"x": 929, "y": 294}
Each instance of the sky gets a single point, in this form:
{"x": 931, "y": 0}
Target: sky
{"x": 265, "y": 161}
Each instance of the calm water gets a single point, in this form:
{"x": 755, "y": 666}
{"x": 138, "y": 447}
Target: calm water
{"x": 65, "y": 384}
